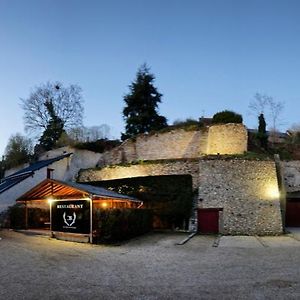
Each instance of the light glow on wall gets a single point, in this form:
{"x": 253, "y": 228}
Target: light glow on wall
{"x": 272, "y": 192}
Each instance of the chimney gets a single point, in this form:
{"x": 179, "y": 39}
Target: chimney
{"x": 50, "y": 173}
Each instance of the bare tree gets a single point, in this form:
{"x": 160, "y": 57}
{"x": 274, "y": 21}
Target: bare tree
{"x": 67, "y": 103}
{"x": 275, "y": 110}
{"x": 295, "y": 127}
{"x": 89, "y": 134}
{"x": 271, "y": 109}
{"x": 266, "y": 106}
{"x": 294, "y": 134}
{"x": 95, "y": 133}
{"x": 258, "y": 105}
{"x": 76, "y": 133}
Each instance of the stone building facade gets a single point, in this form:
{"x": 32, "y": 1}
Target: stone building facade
{"x": 246, "y": 191}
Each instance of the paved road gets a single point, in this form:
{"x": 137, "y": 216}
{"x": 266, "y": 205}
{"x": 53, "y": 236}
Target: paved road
{"x": 151, "y": 267}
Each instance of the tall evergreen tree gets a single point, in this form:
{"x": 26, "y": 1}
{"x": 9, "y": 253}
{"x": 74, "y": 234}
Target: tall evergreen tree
{"x": 54, "y": 129}
{"x": 140, "y": 112}
{"x": 262, "y": 133}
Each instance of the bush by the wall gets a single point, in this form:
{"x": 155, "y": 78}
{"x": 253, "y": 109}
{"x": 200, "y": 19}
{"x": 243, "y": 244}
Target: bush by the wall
{"x": 15, "y": 217}
{"x": 227, "y": 116}
{"x": 99, "y": 146}
{"x": 37, "y": 217}
{"x": 113, "y": 225}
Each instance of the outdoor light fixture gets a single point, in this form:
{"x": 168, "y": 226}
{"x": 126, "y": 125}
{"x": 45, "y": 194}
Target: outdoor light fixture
{"x": 272, "y": 192}
{"x": 104, "y": 204}
{"x": 50, "y": 200}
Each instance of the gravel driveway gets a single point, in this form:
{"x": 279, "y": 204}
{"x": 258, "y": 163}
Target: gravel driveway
{"x": 151, "y": 267}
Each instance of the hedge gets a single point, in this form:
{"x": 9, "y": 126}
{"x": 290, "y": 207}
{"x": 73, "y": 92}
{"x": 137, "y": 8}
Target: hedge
{"x": 114, "y": 225}
{"x": 170, "y": 197}
{"x": 15, "y": 217}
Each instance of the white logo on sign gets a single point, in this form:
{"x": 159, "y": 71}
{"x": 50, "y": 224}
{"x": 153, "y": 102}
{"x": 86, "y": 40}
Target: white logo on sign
{"x": 69, "y": 219}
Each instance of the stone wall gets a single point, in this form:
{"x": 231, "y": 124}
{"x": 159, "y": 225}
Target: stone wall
{"x": 165, "y": 145}
{"x": 291, "y": 175}
{"x": 247, "y": 191}
{"x": 227, "y": 139}
{"x": 179, "y": 143}
{"x": 180, "y": 167}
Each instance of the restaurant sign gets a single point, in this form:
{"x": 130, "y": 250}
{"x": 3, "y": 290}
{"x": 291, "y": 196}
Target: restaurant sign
{"x": 71, "y": 216}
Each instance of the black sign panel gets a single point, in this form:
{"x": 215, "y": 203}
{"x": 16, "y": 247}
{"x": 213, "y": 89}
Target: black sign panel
{"x": 71, "y": 216}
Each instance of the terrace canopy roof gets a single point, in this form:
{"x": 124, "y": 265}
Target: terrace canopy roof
{"x": 70, "y": 190}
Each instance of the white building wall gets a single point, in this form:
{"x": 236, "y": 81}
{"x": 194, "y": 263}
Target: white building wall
{"x": 80, "y": 159}
{"x": 8, "y": 197}
{"x": 65, "y": 169}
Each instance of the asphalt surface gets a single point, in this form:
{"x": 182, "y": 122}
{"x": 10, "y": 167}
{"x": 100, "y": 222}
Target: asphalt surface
{"x": 150, "y": 267}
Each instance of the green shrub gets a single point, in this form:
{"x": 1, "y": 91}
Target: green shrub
{"x": 188, "y": 121}
{"x": 99, "y": 146}
{"x": 188, "y": 125}
{"x": 36, "y": 217}
{"x": 114, "y": 225}
{"x": 227, "y": 116}
{"x": 16, "y": 216}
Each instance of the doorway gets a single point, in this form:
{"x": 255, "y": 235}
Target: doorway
{"x": 208, "y": 220}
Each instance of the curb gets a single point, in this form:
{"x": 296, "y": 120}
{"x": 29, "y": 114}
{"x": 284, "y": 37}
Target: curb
{"x": 261, "y": 242}
{"x": 186, "y": 239}
{"x": 217, "y": 241}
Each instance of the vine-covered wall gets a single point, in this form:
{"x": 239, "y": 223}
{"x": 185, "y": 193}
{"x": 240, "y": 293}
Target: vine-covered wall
{"x": 169, "y": 197}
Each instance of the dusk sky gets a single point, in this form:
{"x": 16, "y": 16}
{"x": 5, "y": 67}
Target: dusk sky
{"x": 207, "y": 56}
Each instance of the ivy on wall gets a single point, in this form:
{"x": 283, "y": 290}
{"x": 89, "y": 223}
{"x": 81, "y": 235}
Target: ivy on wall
{"x": 169, "y": 196}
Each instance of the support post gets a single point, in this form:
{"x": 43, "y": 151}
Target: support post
{"x": 50, "y": 204}
{"x": 91, "y": 220}
{"x": 26, "y": 215}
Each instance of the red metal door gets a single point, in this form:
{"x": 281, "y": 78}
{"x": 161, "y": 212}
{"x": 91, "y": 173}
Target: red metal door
{"x": 292, "y": 217}
{"x": 208, "y": 220}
